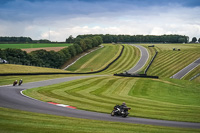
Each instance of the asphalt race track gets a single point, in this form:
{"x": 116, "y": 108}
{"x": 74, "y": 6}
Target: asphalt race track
{"x": 143, "y": 59}
{"x": 186, "y": 70}
{"x": 11, "y": 97}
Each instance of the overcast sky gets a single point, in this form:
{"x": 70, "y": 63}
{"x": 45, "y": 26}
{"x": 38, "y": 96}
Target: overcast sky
{"x": 61, "y": 18}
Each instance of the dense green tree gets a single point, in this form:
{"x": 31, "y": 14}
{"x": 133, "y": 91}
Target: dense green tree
{"x": 78, "y": 48}
{"x": 65, "y": 51}
{"x": 70, "y": 39}
{"x": 94, "y": 42}
{"x": 40, "y": 57}
{"x": 99, "y": 39}
{"x": 62, "y": 58}
{"x": 77, "y": 40}
{"x": 2, "y": 54}
{"x": 194, "y": 39}
{"x": 72, "y": 50}
{"x": 199, "y": 40}
{"x": 83, "y": 45}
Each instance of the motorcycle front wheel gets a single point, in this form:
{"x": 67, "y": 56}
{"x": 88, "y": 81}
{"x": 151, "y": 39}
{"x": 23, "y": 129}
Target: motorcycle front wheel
{"x": 113, "y": 113}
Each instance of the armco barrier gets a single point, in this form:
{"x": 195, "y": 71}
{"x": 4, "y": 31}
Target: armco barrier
{"x": 135, "y": 75}
{"x": 12, "y": 74}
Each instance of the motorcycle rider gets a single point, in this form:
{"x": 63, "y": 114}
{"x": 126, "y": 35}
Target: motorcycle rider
{"x": 15, "y": 82}
{"x": 120, "y": 110}
{"x": 20, "y": 82}
{"x": 123, "y": 105}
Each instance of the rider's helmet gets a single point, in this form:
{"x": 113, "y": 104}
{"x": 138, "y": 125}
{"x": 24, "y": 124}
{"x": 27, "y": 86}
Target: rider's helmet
{"x": 123, "y": 103}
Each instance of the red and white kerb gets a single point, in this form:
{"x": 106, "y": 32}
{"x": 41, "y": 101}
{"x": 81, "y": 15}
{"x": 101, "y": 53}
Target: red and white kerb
{"x": 62, "y": 105}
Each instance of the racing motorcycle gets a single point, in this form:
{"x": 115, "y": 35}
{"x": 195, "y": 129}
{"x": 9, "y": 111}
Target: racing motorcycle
{"x": 20, "y": 82}
{"x": 120, "y": 111}
{"x": 14, "y": 83}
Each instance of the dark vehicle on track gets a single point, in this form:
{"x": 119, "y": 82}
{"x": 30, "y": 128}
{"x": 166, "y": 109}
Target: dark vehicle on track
{"x": 15, "y": 82}
{"x": 20, "y": 82}
{"x": 120, "y": 111}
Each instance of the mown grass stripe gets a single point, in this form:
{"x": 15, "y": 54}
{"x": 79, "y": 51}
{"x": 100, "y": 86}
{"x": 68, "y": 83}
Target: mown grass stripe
{"x": 127, "y": 60}
{"x": 168, "y": 63}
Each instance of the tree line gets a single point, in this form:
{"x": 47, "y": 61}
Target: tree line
{"x": 22, "y": 40}
{"x": 51, "y": 59}
{"x": 138, "y": 38}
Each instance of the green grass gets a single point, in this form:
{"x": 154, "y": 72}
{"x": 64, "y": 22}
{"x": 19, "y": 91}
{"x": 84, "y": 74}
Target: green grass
{"x": 97, "y": 60}
{"x": 167, "y": 99}
{"x": 34, "y": 45}
{"x": 102, "y": 57}
{"x": 169, "y": 62}
{"x": 13, "y": 121}
{"x": 11, "y": 68}
{"x": 197, "y": 79}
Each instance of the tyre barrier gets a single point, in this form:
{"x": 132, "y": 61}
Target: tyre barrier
{"x": 150, "y": 62}
{"x": 135, "y": 75}
{"x": 12, "y": 74}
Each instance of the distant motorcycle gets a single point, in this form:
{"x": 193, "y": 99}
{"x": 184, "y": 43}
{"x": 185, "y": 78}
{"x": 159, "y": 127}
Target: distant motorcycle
{"x": 14, "y": 83}
{"x": 20, "y": 82}
{"x": 120, "y": 111}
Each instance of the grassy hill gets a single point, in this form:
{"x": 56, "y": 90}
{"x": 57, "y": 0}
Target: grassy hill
{"x": 100, "y": 58}
{"x": 12, "y": 68}
{"x": 129, "y": 58}
{"x": 159, "y": 99}
{"x": 97, "y": 60}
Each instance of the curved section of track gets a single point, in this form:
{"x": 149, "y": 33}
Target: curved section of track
{"x": 11, "y": 97}
{"x": 143, "y": 59}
